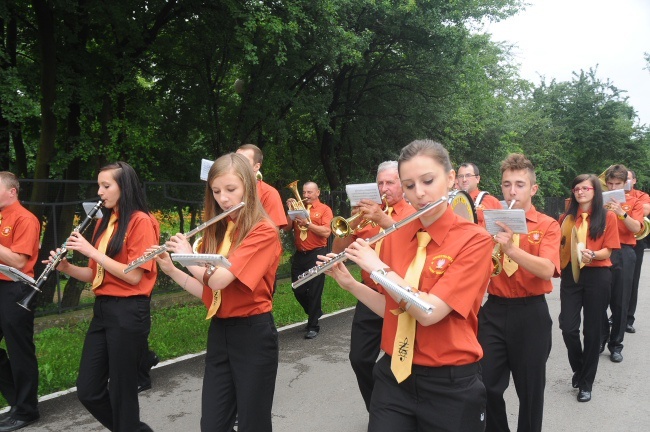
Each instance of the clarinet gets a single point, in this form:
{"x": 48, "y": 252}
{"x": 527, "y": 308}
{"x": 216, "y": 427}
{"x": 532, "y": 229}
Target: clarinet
{"x": 319, "y": 269}
{"x": 63, "y": 250}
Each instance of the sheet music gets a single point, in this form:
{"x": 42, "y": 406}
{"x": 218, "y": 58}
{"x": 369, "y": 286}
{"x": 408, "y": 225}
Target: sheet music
{"x": 206, "y": 164}
{"x": 201, "y": 260}
{"x": 515, "y": 219}
{"x": 300, "y": 213}
{"x": 357, "y": 192}
{"x": 16, "y": 275}
{"x": 618, "y": 195}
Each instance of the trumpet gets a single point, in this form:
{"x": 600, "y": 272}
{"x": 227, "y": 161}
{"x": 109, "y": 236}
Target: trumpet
{"x": 60, "y": 255}
{"x": 297, "y": 204}
{"x": 341, "y": 226}
{"x": 319, "y": 269}
{"x": 163, "y": 248}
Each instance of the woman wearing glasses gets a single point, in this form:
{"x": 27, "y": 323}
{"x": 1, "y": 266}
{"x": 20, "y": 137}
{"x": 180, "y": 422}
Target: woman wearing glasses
{"x": 585, "y": 289}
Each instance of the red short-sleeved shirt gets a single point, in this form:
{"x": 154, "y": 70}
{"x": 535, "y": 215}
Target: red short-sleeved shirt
{"x": 20, "y": 232}
{"x": 272, "y": 203}
{"x": 643, "y": 197}
{"x": 142, "y": 232}
{"x": 254, "y": 263}
{"x": 456, "y": 270}
{"x": 543, "y": 240}
{"x": 320, "y": 215}
{"x": 609, "y": 239}
{"x": 488, "y": 202}
{"x": 634, "y": 209}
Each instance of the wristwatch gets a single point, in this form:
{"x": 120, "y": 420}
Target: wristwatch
{"x": 623, "y": 216}
{"x": 208, "y": 272}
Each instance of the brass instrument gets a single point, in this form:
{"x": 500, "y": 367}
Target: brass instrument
{"x": 297, "y": 204}
{"x": 319, "y": 269}
{"x": 259, "y": 175}
{"x": 60, "y": 255}
{"x": 163, "y": 248}
{"x": 645, "y": 229}
{"x": 341, "y": 226}
{"x": 497, "y": 253}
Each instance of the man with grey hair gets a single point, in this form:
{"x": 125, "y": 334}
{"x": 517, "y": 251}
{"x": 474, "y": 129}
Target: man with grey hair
{"x": 19, "y": 242}
{"x": 366, "y": 325}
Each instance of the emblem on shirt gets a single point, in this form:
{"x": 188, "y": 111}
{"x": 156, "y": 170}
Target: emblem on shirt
{"x": 535, "y": 237}
{"x": 6, "y": 231}
{"x": 626, "y": 207}
{"x": 439, "y": 264}
{"x": 316, "y": 215}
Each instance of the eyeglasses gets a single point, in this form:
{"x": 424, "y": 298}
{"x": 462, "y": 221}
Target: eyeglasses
{"x": 466, "y": 176}
{"x": 583, "y": 189}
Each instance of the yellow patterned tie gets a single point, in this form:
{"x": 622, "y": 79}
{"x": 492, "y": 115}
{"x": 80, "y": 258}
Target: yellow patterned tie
{"x": 378, "y": 247}
{"x": 103, "y": 243}
{"x": 223, "y": 250}
{"x": 582, "y": 234}
{"x": 303, "y": 233}
{"x": 509, "y": 266}
{"x": 404, "y": 344}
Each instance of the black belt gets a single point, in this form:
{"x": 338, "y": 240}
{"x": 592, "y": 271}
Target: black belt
{"x": 118, "y": 298}
{"x": 450, "y": 372}
{"x": 305, "y": 252}
{"x": 250, "y": 320}
{"x": 517, "y": 300}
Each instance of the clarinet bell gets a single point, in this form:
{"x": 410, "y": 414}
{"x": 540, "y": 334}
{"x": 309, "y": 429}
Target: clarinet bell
{"x": 25, "y": 302}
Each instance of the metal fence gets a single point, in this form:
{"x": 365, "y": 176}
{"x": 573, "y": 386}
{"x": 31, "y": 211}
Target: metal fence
{"x": 172, "y": 202}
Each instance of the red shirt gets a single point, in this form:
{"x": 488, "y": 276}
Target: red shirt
{"x": 272, "y": 203}
{"x": 609, "y": 239}
{"x": 20, "y": 232}
{"x": 142, "y": 232}
{"x": 456, "y": 270}
{"x": 400, "y": 210}
{"x": 634, "y": 209}
{"x": 643, "y": 197}
{"x": 543, "y": 240}
{"x": 320, "y": 215}
{"x": 254, "y": 263}
{"x": 488, "y": 202}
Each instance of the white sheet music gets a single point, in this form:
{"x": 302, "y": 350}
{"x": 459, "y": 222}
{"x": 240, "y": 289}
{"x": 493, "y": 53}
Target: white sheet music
{"x": 205, "y": 169}
{"x": 357, "y": 192}
{"x": 515, "y": 219}
{"x": 618, "y": 195}
{"x": 201, "y": 260}
{"x": 299, "y": 213}
{"x": 16, "y": 275}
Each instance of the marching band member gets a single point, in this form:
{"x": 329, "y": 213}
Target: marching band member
{"x": 310, "y": 242}
{"x": 630, "y": 221}
{"x": 242, "y": 354}
{"x": 19, "y": 249}
{"x": 365, "y": 336}
{"x": 514, "y": 323}
{"x": 430, "y": 381}
{"x": 118, "y": 332}
{"x": 468, "y": 179}
{"x": 586, "y": 290}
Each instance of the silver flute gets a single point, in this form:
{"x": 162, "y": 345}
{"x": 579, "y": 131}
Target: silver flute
{"x": 408, "y": 294}
{"x": 163, "y": 248}
{"x": 319, "y": 269}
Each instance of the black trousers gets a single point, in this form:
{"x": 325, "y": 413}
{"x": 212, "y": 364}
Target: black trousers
{"x": 623, "y": 262}
{"x": 365, "y": 344}
{"x": 516, "y": 338}
{"x": 310, "y": 294}
{"x": 590, "y": 295}
{"x": 432, "y": 399}
{"x": 114, "y": 345}
{"x": 634, "y": 296}
{"x": 18, "y": 371}
{"x": 241, "y": 365}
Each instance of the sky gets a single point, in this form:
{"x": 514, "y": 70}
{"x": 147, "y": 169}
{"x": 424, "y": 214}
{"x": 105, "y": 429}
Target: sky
{"x": 554, "y": 38}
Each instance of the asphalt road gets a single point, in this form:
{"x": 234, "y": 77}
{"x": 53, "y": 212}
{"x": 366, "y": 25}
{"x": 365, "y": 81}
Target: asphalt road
{"x": 316, "y": 389}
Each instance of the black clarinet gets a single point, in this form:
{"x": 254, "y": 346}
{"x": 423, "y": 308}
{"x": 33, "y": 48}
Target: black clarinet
{"x": 63, "y": 250}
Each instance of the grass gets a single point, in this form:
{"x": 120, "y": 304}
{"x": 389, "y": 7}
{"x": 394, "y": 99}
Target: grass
{"x": 175, "y": 331}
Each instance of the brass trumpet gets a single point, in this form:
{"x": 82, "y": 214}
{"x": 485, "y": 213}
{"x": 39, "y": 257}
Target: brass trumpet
{"x": 341, "y": 226}
{"x": 297, "y": 204}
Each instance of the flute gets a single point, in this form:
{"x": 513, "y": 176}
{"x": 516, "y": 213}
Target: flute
{"x": 407, "y": 293}
{"x": 319, "y": 269}
{"x": 163, "y": 248}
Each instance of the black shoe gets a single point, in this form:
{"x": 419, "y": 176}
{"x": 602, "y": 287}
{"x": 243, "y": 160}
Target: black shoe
{"x": 153, "y": 359}
{"x": 574, "y": 379}
{"x": 311, "y": 334}
{"x": 144, "y": 387}
{"x": 616, "y": 357}
{"x": 584, "y": 396}
{"x": 12, "y": 424}
{"x": 602, "y": 347}
{"x": 8, "y": 413}
{"x": 630, "y": 329}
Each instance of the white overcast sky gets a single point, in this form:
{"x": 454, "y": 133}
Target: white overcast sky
{"x": 554, "y": 38}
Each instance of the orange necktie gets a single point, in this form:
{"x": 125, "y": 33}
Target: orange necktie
{"x": 103, "y": 243}
{"x": 303, "y": 233}
{"x": 404, "y": 344}
{"x": 378, "y": 247}
{"x": 224, "y": 248}
{"x": 510, "y": 266}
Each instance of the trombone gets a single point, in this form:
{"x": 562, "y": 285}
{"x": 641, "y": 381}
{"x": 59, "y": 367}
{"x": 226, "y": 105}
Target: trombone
{"x": 341, "y": 227}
